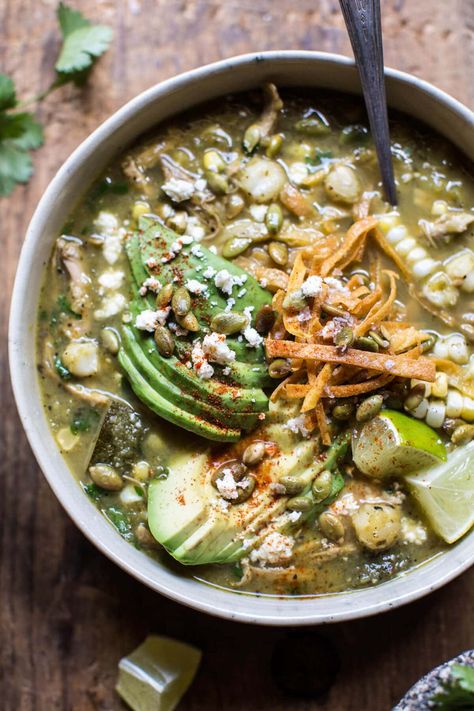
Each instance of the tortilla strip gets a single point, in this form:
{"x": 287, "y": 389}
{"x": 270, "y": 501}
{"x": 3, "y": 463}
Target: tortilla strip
{"x": 298, "y": 391}
{"x": 322, "y": 423}
{"x": 378, "y": 313}
{"x": 399, "y": 365}
{"x": 354, "y": 234}
{"x": 314, "y": 395}
{"x": 391, "y": 253}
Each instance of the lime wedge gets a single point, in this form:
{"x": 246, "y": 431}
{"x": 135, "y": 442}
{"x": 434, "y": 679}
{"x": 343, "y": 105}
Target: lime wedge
{"x": 156, "y": 675}
{"x": 393, "y": 444}
{"x": 446, "y": 494}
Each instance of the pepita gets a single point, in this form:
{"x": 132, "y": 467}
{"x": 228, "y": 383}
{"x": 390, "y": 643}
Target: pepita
{"x": 279, "y": 368}
{"x": 164, "y": 341}
{"x": 189, "y": 322}
{"x": 293, "y": 484}
{"x": 299, "y": 503}
{"x": 331, "y": 526}
{"x": 164, "y": 296}
{"x": 253, "y": 454}
{"x": 274, "y": 218}
{"x": 274, "y": 145}
{"x": 235, "y": 246}
{"x": 278, "y": 251}
{"x": 264, "y": 319}
{"x": 213, "y": 161}
{"x": 106, "y": 477}
{"x": 333, "y": 310}
{"x": 229, "y": 322}
{"x": 314, "y": 125}
{"x": 234, "y": 205}
{"x": 343, "y": 412}
{"x": 236, "y": 468}
{"x": 365, "y": 343}
{"x": 251, "y": 138}
{"x": 381, "y": 342}
{"x": 322, "y": 486}
{"x": 369, "y": 408}
{"x": 181, "y": 301}
{"x": 110, "y": 340}
{"x": 294, "y": 300}
{"x": 218, "y": 182}
{"x": 462, "y": 434}
{"x": 178, "y": 222}
{"x": 344, "y": 338}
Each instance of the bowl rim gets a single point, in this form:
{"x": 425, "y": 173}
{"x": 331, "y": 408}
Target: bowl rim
{"x": 268, "y": 611}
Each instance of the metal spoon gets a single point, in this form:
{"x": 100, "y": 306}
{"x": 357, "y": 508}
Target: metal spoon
{"x": 362, "y": 18}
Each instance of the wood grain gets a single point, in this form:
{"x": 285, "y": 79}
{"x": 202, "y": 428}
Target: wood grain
{"x": 66, "y": 613}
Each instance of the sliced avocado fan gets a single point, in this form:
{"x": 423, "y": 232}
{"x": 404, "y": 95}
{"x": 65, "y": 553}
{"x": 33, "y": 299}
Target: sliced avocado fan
{"x": 232, "y": 400}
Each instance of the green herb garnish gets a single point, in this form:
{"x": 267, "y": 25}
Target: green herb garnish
{"x": 61, "y": 369}
{"x": 84, "y": 419}
{"x": 119, "y": 520}
{"x": 20, "y": 132}
{"x": 65, "y": 307}
{"x": 457, "y": 692}
{"x": 93, "y": 491}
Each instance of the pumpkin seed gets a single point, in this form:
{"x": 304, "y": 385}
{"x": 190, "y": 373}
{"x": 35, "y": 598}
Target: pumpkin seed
{"x": 245, "y": 490}
{"x": 331, "y": 526}
{"x": 344, "y": 338}
{"x": 278, "y": 251}
{"x": 189, "y": 322}
{"x": 229, "y": 322}
{"x": 218, "y": 183}
{"x": 274, "y": 145}
{"x": 106, "y": 477}
{"x": 235, "y": 246}
{"x": 463, "y": 434}
{"x": 236, "y": 468}
{"x": 322, "y": 486}
{"x": 344, "y": 411}
{"x": 234, "y": 205}
{"x": 294, "y": 300}
{"x": 144, "y": 536}
{"x": 353, "y": 134}
{"x": 293, "y": 484}
{"x": 264, "y": 319}
{"x": 365, "y": 343}
{"x": 110, "y": 340}
{"x": 332, "y": 310}
{"x": 140, "y": 207}
{"x": 178, "y": 221}
{"x": 414, "y": 397}
{"x": 181, "y": 301}
{"x": 382, "y": 342}
{"x": 278, "y": 368}
{"x": 299, "y": 503}
{"x": 428, "y": 344}
{"x": 253, "y": 454}
{"x": 213, "y": 161}
{"x": 251, "y": 138}
{"x": 468, "y": 330}
{"x": 164, "y": 341}
{"x": 274, "y": 219}
{"x": 370, "y": 407}
{"x": 164, "y": 296}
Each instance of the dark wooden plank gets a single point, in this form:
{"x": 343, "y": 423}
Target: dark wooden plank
{"x": 66, "y": 613}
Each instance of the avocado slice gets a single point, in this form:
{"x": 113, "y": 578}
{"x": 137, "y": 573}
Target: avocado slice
{"x": 185, "y": 512}
{"x": 166, "y": 388}
{"x": 172, "y": 412}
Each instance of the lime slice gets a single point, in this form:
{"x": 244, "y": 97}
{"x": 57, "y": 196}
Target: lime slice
{"x": 393, "y": 444}
{"x": 446, "y": 494}
{"x": 156, "y": 675}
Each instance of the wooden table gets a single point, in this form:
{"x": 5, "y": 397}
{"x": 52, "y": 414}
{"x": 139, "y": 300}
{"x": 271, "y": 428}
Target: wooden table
{"x": 67, "y": 614}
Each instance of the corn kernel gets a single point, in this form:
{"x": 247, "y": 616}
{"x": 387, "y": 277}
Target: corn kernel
{"x": 436, "y": 413}
{"x": 467, "y": 412}
{"x": 140, "y": 208}
{"x": 405, "y": 246}
{"x": 420, "y": 411}
{"x": 454, "y": 403}
{"x": 439, "y": 207}
{"x": 397, "y": 234}
{"x": 440, "y": 385}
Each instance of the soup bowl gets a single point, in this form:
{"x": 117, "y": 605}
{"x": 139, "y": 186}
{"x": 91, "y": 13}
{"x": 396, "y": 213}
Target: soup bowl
{"x": 292, "y": 68}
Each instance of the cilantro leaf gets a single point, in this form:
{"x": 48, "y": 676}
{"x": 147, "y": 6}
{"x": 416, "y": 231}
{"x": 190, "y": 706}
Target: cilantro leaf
{"x": 15, "y": 167}
{"x": 7, "y": 93}
{"x": 83, "y": 43}
{"x": 457, "y": 693}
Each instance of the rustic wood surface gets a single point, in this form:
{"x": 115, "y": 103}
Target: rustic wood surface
{"x": 67, "y": 614}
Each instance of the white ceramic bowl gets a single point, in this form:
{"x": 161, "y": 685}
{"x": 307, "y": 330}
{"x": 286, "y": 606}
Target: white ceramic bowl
{"x": 309, "y": 69}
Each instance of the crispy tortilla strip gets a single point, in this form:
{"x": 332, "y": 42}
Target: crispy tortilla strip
{"x": 401, "y": 336}
{"x": 280, "y": 388}
{"x": 382, "y": 242}
{"x": 298, "y": 391}
{"x": 378, "y": 313}
{"x": 355, "y": 234}
{"x": 398, "y": 365}
{"x": 323, "y": 423}
{"x": 317, "y": 388}
{"x": 295, "y": 201}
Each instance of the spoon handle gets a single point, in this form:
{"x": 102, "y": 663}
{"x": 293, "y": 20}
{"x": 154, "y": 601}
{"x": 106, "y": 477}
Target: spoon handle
{"x": 363, "y": 22}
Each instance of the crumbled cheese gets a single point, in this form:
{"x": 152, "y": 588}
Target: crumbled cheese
{"x": 200, "y": 363}
{"x": 106, "y": 222}
{"x": 227, "y": 371}
{"x": 196, "y": 250}
{"x": 213, "y": 249}
{"x": 345, "y": 504}
{"x": 304, "y": 315}
{"x": 108, "y": 226}
{"x": 298, "y": 172}
{"x": 258, "y": 212}
{"x": 196, "y": 230}
{"x": 112, "y": 248}
{"x": 111, "y": 279}
{"x": 336, "y": 286}
{"x": 413, "y": 531}
{"x": 312, "y": 286}
{"x": 209, "y": 273}
{"x": 252, "y": 336}
{"x": 389, "y": 364}
{"x": 277, "y": 489}
{"x": 226, "y": 485}
{"x": 329, "y": 331}
{"x": 230, "y": 304}
{"x": 276, "y": 549}
{"x": 110, "y": 306}
{"x": 195, "y": 286}
{"x": 242, "y": 293}
{"x": 200, "y": 185}
{"x": 226, "y": 281}
{"x": 148, "y": 320}
{"x": 178, "y": 190}
{"x": 151, "y": 262}
{"x": 297, "y": 425}
{"x": 216, "y": 350}
{"x": 294, "y": 516}
{"x": 177, "y": 329}
{"x": 150, "y": 284}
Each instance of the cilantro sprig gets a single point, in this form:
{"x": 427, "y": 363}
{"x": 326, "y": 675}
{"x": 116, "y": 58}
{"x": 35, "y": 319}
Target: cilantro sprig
{"x": 20, "y": 133}
{"x": 457, "y": 693}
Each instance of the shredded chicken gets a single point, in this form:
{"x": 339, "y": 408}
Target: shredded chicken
{"x": 69, "y": 255}
{"x": 447, "y": 224}
{"x": 273, "y": 105}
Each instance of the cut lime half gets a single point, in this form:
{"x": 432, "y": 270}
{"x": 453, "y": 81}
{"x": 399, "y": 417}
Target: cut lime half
{"x": 393, "y": 444}
{"x": 446, "y": 494}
